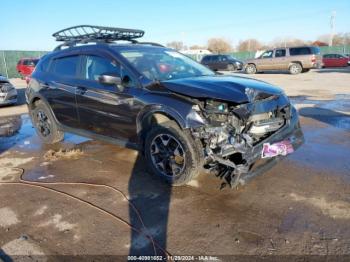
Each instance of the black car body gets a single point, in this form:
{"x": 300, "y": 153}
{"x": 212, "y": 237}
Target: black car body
{"x": 222, "y": 62}
{"x": 217, "y": 122}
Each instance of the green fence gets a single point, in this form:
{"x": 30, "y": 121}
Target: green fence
{"x": 9, "y": 59}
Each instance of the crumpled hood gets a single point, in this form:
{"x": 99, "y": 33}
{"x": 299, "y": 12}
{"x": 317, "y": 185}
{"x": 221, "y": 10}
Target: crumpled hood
{"x": 228, "y": 88}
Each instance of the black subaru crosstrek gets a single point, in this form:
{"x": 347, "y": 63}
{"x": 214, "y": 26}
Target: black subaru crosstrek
{"x": 180, "y": 114}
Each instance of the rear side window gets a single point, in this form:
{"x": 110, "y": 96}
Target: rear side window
{"x": 280, "y": 53}
{"x": 65, "y": 66}
{"x": 300, "y": 51}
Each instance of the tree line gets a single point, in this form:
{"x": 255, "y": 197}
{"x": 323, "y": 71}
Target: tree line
{"x": 222, "y": 45}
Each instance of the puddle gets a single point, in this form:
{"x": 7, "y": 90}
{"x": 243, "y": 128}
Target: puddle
{"x": 18, "y": 131}
{"x": 326, "y": 148}
{"x": 341, "y": 102}
{"x": 333, "y": 112}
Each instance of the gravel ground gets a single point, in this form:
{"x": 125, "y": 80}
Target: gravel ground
{"x": 300, "y": 209}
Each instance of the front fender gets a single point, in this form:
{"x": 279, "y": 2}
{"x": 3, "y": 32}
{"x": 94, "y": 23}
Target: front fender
{"x": 186, "y": 117}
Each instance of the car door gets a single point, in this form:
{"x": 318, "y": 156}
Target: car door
{"x": 265, "y": 62}
{"x": 214, "y": 62}
{"x": 59, "y": 89}
{"x": 108, "y": 110}
{"x": 223, "y": 62}
{"x": 279, "y": 61}
{"x": 326, "y": 60}
{"x": 341, "y": 60}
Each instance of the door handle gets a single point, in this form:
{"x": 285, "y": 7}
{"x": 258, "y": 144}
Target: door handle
{"x": 80, "y": 90}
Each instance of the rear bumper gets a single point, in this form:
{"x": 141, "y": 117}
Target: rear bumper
{"x": 291, "y": 132}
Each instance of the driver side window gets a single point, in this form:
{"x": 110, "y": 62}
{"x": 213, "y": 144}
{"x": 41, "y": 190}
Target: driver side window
{"x": 267, "y": 54}
{"x": 96, "y": 66}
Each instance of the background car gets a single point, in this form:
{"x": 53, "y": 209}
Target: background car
{"x": 222, "y": 62}
{"x": 294, "y": 59}
{"x": 26, "y": 66}
{"x": 8, "y": 93}
{"x": 335, "y": 60}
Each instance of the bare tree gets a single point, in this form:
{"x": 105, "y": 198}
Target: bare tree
{"x": 338, "y": 39}
{"x": 341, "y": 39}
{"x": 249, "y": 45}
{"x": 177, "y": 45}
{"x": 219, "y": 45}
{"x": 196, "y": 47}
{"x": 289, "y": 42}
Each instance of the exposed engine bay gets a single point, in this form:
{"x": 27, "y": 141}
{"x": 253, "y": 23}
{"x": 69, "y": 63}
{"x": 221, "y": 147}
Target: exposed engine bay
{"x": 232, "y": 131}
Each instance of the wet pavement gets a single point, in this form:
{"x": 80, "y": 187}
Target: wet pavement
{"x": 111, "y": 205}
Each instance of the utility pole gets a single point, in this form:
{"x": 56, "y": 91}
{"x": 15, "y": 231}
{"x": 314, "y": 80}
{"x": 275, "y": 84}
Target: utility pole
{"x": 5, "y": 64}
{"x": 332, "y": 25}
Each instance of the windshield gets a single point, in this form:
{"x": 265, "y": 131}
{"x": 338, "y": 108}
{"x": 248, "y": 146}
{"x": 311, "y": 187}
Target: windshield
{"x": 161, "y": 64}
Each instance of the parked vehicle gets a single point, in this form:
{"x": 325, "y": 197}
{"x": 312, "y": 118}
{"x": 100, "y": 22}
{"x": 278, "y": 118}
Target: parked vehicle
{"x": 179, "y": 113}
{"x": 335, "y": 60}
{"x": 26, "y": 66}
{"x": 222, "y": 62}
{"x": 294, "y": 59}
{"x": 8, "y": 93}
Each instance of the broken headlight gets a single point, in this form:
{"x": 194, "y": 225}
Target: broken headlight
{"x": 213, "y": 106}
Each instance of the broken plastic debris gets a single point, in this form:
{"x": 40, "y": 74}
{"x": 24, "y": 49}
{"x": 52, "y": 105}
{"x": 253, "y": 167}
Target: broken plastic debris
{"x": 280, "y": 148}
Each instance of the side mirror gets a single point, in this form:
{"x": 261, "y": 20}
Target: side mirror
{"x": 109, "y": 80}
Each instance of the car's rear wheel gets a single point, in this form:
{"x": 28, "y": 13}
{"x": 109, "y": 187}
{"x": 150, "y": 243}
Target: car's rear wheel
{"x": 45, "y": 124}
{"x": 295, "y": 68}
{"x": 250, "y": 69}
{"x": 171, "y": 154}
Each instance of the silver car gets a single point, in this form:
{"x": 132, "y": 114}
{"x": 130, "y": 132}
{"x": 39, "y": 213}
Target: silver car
{"x": 8, "y": 93}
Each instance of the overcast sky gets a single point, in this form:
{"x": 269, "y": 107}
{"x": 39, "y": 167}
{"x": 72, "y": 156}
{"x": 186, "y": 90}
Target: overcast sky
{"x": 29, "y": 24}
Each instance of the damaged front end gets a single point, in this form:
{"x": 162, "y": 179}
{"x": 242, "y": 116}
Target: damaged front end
{"x": 234, "y": 135}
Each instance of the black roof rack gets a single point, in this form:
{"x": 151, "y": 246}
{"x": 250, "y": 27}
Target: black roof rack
{"x": 93, "y": 33}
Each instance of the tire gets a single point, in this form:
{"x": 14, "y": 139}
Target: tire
{"x": 231, "y": 67}
{"x": 295, "y": 68}
{"x": 250, "y": 69}
{"x": 305, "y": 70}
{"x": 159, "y": 143}
{"x": 45, "y": 124}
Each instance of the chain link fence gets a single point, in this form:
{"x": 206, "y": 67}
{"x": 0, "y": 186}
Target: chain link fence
{"x": 9, "y": 60}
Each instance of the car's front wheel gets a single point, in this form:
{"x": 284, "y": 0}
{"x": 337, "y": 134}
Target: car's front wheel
{"x": 250, "y": 69}
{"x": 172, "y": 154}
{"x": 45, "y": 124}
{"x": 231, "y": 67}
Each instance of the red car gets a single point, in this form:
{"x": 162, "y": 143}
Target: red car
{"x": 335, "y": 60}
{"x": 25, "y": 66}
